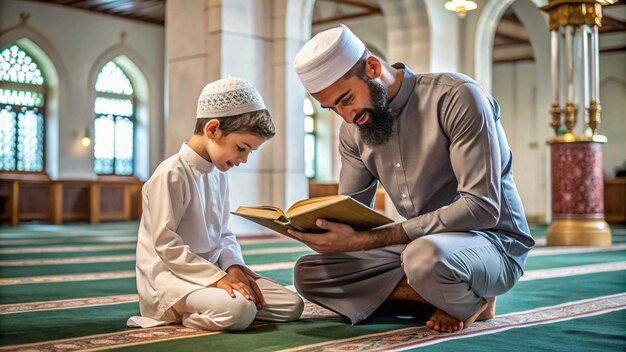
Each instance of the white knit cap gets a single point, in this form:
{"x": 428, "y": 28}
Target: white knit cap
{"x": 327, "y": 57}
{"x": 228, "y": 97}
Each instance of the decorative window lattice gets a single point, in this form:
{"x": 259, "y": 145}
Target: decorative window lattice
{"x": 21, "y": 120}
{"x": 114, "y": 124}
{"x": 112, "y": 79}
{"x": 310, "y": 139}
{"x": 21, "y": 139}
{"x": 16, "y": 66}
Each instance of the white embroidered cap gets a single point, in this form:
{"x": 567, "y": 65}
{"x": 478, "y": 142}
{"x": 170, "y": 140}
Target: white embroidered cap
{"x": 327, "y": 57}
{"x": 228, "y": 97}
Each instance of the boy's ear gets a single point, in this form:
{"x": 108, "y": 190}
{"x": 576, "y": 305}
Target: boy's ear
{"x": 373, "y": 67}
{"x": 211, "y": 128}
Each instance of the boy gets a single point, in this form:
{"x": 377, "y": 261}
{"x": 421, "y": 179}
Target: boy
{"x": 189, "y": 264}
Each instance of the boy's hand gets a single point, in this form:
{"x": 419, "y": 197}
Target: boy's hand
{"x": 248, "y": 277}
{"x": 232, "y": 284}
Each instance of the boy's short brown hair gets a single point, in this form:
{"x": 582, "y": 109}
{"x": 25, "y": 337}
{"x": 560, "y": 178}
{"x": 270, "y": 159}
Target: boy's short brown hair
{"x": 258, "y": 123}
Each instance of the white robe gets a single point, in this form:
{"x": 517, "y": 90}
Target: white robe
{"x": 184, "y": 243}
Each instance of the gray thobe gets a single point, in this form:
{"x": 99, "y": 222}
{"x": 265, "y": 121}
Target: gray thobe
{"x": 448, "y": 170}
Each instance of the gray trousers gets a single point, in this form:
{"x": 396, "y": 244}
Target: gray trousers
{"x": 452, "y": 271}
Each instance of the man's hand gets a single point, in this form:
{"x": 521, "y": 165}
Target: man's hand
{"x": 247, "y": 277}
{"x": 342, "y": 238}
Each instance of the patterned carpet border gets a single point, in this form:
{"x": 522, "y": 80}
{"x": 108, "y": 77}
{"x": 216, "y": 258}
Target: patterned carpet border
{"x": 285, "y": 250}
{"x": 131, "y": 257}
{"x": 125, "y": 274}
{"x": 407, "y": 338}
{"x": 140, "y": 336}
{"x": 74, "y": 303}
{"x": 17, "y": 242}
{"x": 536, "y": 252}
{"x": 64, "y": 249}
{"x": 572, "y": 270}
{"x": 72, "y": 260}
{"x": 67, "y": 304}
{"x": 529, "y": 275}
{"x": 108, "y": 300}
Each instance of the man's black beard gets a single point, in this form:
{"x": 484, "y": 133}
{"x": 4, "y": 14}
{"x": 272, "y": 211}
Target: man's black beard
{"x": 377, "y": 129}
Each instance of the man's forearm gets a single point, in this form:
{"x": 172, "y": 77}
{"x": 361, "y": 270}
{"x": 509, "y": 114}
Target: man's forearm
{"x": 387, "y": 236}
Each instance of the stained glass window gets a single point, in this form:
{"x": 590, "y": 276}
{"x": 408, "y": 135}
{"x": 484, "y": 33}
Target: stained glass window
{"x": 22, "y": 98}
{"x": 114, "y": 126}
{"x": 309, "y": 138}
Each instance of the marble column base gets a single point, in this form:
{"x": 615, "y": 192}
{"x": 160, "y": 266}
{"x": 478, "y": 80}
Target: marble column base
{"x": 570, "y": 232}
{"x": 577, "y": 192}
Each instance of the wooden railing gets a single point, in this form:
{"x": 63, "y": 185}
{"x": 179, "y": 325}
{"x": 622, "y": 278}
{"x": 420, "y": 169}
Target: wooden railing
{"x": 35, "y": 197}
{"x": 615, "y": 200}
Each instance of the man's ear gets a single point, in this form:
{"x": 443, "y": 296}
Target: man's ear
{"x": 373, "y": 67}
{"x": 211, "y": 128}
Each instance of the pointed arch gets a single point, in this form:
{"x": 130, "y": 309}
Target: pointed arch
{"x": 53, "y": 69}
{"x": 529, "y": 125}
{"x": 131, "y": 63}
{"x": 485, "y": 33}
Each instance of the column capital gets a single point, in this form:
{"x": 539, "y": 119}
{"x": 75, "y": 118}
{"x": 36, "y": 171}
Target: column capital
{"x": 574, "y": 13}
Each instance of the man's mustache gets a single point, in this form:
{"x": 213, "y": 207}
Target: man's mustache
{"x": 361, "y": 113}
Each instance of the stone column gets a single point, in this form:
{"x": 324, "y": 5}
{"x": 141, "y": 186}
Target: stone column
{"x": 576, "y": 152}
{"x": 211, "y": 39}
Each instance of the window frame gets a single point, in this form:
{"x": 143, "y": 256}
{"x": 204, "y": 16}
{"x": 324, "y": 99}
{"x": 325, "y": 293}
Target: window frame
{"x": 28, "y": 87}
{"x": 314, "y": 136}
{"x": 133, "y": 119}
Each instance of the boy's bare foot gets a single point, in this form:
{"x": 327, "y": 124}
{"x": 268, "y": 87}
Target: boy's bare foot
{"x": 444, "y": 322}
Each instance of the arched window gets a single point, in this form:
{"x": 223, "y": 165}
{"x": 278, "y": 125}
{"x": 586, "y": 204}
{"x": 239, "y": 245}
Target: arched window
{"x": 22, "y": 100}
{"x": 114, "y": 127}
{"x": 309, "y": 138}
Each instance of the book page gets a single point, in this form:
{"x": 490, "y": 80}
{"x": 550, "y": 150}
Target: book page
{"x": 306, "y": 205}
{"x": 341, "y": 209}
{"x": 263, "y": 211}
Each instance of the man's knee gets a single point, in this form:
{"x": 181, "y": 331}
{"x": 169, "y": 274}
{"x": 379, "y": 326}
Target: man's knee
{"x": 420, "y": 260}
{"x": 302, "y": 273}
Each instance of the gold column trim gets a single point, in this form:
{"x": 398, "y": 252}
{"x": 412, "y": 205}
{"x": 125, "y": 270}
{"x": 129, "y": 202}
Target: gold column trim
{"x": 555, "y": 111}
{"x": 571, "y": 138}
{"x": 570, "y": 116}
{"x": 573, "y": 13}
{"x": 586, "y": 232}
{"x": 594, "y": 115}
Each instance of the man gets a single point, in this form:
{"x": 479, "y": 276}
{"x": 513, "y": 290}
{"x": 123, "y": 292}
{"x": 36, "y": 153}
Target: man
{"x": 435, "y": 143}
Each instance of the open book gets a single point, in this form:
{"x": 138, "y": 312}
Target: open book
{"x": 302, "y": 215}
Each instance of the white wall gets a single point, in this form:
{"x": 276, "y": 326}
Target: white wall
{"x": 515, "y": 88}
{"x": 79, "y": 40}
{"x": 613, "y": 103}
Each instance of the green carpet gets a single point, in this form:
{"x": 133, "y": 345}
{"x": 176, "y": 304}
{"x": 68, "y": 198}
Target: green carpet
{"x": 602, "y": 331}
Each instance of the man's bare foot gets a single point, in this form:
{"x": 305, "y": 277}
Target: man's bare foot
{"x": 444, "y": 322}
{"x": 490, "y": 310}
{"x": 486, "y": 311}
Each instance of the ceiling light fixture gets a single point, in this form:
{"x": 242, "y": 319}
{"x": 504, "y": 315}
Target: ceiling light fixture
{"x": 460, "y": 7}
